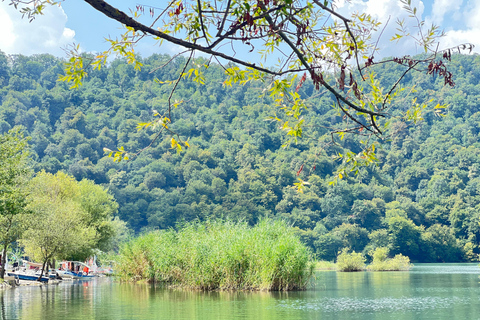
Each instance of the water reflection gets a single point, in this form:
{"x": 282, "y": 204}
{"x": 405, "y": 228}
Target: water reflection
{"x": 450, "y": 292}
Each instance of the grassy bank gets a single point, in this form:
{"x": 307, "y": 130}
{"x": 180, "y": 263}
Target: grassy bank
{"x": 217, "y": 255}
{"x": 325, "y": 265}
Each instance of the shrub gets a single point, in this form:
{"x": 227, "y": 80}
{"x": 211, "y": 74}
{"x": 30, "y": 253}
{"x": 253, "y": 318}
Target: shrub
{"x": 349, "y": 262}
{"x": 325, "y": 265}
{"x": 219, "y": 255}
{"x": 381, "y": 262}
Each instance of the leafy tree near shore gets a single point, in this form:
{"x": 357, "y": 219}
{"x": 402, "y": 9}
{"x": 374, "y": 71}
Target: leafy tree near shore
{"x": 70, "y": 218}
{"x": 15, "y": 171}
{"x": 404, "y": 237}
{"x": 99, "y": 207}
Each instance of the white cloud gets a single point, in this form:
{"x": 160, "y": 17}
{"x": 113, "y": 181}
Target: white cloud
{"x": 442, "y": 7}
{"x": 454, "y": 38}
{"x": 468, "y": 32}
{"x": 387, "y": 11}
{"x": 470, "y": 14}
{"x": 46, "y": 34}
{"x": 7, "y": 37}
{"x": 458, "y": 18}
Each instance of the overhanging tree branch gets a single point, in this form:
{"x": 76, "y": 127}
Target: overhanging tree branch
{"x": 302, "y": 33}
{"x": 301, "y": 57}
{"x": 121, "y": 17}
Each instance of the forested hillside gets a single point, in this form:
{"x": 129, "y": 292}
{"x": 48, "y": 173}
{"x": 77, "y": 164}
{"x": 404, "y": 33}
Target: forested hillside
{"x": 422, "y": 200}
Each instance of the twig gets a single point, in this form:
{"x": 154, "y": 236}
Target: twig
{"x": 201, "y": 19}
{"x": 175, "y": 86}
{"x": 224, "y": 19}
{"x": 350, "y": 116}
{"x": 170, "y": 60}
{"x": 398, "y": 81}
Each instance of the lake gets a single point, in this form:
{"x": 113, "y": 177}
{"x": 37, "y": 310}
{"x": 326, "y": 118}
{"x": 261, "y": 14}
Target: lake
{"x": 428, "y": 291}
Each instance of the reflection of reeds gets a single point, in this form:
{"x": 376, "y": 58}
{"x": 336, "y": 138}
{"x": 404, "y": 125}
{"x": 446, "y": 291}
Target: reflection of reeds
{"x": 215, "y": 255}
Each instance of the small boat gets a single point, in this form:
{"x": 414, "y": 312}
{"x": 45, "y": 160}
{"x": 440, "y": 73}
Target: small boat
{"x": 75, "y": 270}
{"x": 51, "y": 274}
{"x": 25, "y": 276}
{"x": 75, "y": 275}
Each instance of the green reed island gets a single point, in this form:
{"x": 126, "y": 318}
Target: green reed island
{"x": 219, "y": 255}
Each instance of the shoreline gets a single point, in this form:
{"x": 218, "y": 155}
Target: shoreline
{"x": 11, "y": 282}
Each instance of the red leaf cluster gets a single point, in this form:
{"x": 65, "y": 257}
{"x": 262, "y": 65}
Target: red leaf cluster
{"x": 441, "y": 69}
{"x": 300, "y": 170}
{"x": 317, "y": 79}
{"x": 356, "y": 91}
{"x": 341, "y": 82}
{"x": 300, "y": 84}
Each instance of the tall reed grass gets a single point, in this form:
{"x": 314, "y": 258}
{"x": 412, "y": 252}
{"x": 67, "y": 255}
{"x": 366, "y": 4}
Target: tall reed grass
{"x": 219, "y": 255}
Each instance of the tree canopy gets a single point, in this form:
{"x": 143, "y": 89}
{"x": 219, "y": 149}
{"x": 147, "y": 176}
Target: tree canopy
{"x": 70, "y": 218}
{"x": 327, "y": 84}
{"x": 15, "y": 171}
{"x": 310, "y": 38}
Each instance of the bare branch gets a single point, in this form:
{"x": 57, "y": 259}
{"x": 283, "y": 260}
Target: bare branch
{"x": 121, "y": 17}
{"x": 201, "y": 19}
{"x": 176, "y": 84}
{"x": 398, "y": 81}
{"x": 220, "y": 29}
{"x": 352, "y": 118}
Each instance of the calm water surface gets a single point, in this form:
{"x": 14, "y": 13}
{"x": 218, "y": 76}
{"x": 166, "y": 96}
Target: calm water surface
{"x": 428, "y": 291}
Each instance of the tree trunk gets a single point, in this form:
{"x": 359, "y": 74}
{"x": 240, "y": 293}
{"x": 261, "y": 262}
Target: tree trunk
{"x": 43, "y": 268}
{"x": 52, "y": 263}
{"x": 4, "y": 261}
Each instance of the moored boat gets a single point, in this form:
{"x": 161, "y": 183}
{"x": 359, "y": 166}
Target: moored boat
{"x": 25, "y": 276}
{"x": 75, "y": 270}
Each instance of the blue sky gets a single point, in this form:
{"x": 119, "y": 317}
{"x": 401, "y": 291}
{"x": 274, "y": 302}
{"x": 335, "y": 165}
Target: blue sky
{"x": 77, "y": 22}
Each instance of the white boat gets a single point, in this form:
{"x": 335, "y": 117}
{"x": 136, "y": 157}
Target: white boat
{"x": 22, "y": 275}
{"x": 29, "y": 271}
{"x": 75, "y": 270}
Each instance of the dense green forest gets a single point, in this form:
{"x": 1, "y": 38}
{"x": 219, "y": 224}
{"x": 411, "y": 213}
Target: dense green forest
{"x": 422, "y": 200}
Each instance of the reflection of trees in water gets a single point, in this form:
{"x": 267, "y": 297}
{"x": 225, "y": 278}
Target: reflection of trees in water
{"x": 108, "y": 300}
{"x": 29, "y": 302}
{"x": 47, "y": 299}
{"x": 9, "y": 308}
{"x": 2, "y": 306}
